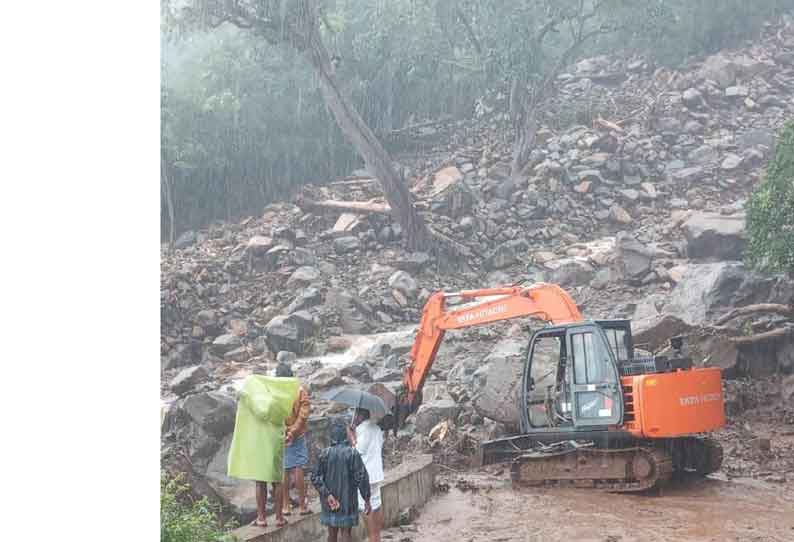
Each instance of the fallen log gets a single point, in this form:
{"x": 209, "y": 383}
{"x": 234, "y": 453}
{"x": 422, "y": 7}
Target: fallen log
{"x": 603, "y": 123}
{"x": 775, "y": 308}
{"x": 765, "y": 336}
{"x": 363, "y": 207}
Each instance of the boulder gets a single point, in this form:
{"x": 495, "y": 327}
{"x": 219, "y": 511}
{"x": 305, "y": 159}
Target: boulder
{"x": 181, "y": 355}
{"x": 302, "y": 256}
{"x": 708, "y": 290}
{"x": 303, "y": 276}
{"x": 226, "y": 342}
{"x": 570, "y": 271}
{"x": 688, "y": 174}
{"x": 258, "y": 245}
{"x": 209, "y": 418}
{"x": 692, "y": 97}
{"x": 431, "y": 413}
{"x": 355, "y": 316}
{"x": 327, "y": 377}
{"x": 187, "y": 379}
{"x": 703, "y": 155}
{"x": 405, "y": 283}
{"x": 719, "y": 69}
{"x": 413, "y": 262}
{"x": 306, "y": 299}
{"x": 289, "y": 332}
{"x": 507, "y": 254}
{"x": 347, "y": 244}
{"x": 652, "y": 333}
{"x": 731, "y": 162}
{"x": 713, "y": 235}
{"x": 497, "y": 382}
{"x": 787, "y": 390}
{"x": 633, "y": 259}
{"x": 619, "y": 214}
{"x": 357, "y": 370}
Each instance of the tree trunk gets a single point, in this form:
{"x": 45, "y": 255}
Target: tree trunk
{"x": 169, "y": 203}
{"x": 525, "y": 142}
{"x": 366, "y": 143}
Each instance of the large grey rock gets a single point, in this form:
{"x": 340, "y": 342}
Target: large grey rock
{"x": 707, "y": 291}
{"x": 303, "y": 276}
{"x": 689, "y": 174}
{"x": 405, "y": 283}
{"x": 570, "y": 272}
{"x": 306, "y": 299}
{"x": 302, "y": 256}
{"x": 633, "y": 259}
{"x": 507, "y": 254}
{"x": 226, "y": 342}
{"x": 497, "y": 382}
{"x": 720, "y": 70}
{"x": 187, "y": 379}
{"x": 712, "y": 235}
{"x": 413, "y": 262}
{"x": 654, "y": 332}
{"x": 355, "y": 316}
{"x": 289, "y": 332}
{"x": 731, "y": 162}
{"x": 431, "y": 413}
{"x": 703, "y": 155}
{"x": 345, "y": 245}
{"x": 692, "y": 97}
{"x": 327, "y": 377}
{"x": 181, "y": 355}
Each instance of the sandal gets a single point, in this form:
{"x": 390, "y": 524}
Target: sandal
{"x": 306, "y": 513}
{"x": 281, "y": 523}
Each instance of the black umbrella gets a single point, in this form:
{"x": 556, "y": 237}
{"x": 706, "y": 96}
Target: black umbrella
{"x": 358, "y": 399}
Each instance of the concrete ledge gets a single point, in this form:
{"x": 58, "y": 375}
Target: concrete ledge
{"x": 410, "y": 484}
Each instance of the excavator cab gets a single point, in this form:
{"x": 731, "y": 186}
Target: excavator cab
{"x": 571, "y": 378}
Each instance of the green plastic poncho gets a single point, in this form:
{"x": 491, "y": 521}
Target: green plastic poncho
{"x": 257, "y": 446}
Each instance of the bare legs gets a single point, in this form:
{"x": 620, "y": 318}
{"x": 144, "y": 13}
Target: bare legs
{"x": 295, "y": 476}
{"x": 374, "y": 523}
{"x": 334, "y": 532}
{"x": 261, "y": 504}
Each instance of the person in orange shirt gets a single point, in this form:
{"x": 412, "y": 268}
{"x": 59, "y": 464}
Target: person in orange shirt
{"x": 296, "y": 452}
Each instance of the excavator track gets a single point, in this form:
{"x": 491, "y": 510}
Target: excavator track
{"x": 618, "y": 470}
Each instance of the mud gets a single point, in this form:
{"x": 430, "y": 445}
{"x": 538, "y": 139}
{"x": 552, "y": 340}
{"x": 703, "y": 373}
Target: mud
{"x": 478, "y": 507}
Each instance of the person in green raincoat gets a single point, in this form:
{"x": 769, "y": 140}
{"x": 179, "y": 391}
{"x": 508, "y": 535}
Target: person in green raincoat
{"x": 257, "y": 446}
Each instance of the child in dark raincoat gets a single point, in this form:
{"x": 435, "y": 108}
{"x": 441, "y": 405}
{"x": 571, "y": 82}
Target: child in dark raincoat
{"x": 339, "y": 476}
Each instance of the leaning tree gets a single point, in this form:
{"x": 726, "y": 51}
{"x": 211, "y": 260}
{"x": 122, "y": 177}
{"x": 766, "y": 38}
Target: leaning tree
{"x": 296, "y": 24}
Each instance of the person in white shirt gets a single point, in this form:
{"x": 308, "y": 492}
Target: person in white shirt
{"x": 368, "y": 441}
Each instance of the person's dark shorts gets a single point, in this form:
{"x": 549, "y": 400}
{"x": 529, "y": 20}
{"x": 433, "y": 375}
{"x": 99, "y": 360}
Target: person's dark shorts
{"x": 296, "y": 454}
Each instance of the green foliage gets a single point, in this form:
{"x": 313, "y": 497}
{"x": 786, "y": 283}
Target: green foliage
{"x": 185, "y": 521}
{"x": 671, "y": 30}
{"x": 770, "y": 211}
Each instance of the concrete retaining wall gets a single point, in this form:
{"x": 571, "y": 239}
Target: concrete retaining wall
{"x": 410, "y": 484}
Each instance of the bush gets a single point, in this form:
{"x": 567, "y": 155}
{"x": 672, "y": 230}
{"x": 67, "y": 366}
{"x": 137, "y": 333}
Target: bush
{"x": 770, "y": 211}
{"x": 185, "y": 520}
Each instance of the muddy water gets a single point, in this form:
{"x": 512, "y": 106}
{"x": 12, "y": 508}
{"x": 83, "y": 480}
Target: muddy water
{"x": 703, "y": 510}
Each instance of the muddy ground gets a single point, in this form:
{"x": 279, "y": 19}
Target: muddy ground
{"x": 751, "y": 499}
{"x": 480, "y": 507}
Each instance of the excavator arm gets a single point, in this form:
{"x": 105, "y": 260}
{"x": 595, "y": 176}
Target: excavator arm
{"x": 545, "y": 301}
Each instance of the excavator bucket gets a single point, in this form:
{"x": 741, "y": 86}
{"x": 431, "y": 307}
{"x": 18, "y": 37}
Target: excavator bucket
{"x": 389, "y": 421}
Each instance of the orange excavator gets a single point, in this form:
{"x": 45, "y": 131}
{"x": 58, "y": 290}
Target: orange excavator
{"x": 592, "y": 414}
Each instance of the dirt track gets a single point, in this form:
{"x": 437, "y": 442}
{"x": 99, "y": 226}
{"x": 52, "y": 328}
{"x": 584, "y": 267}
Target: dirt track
{"x": 691, "y": 510}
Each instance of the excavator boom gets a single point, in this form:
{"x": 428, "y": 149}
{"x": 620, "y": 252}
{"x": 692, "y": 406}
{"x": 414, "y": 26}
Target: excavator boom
{"x": 548, "y": 302}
